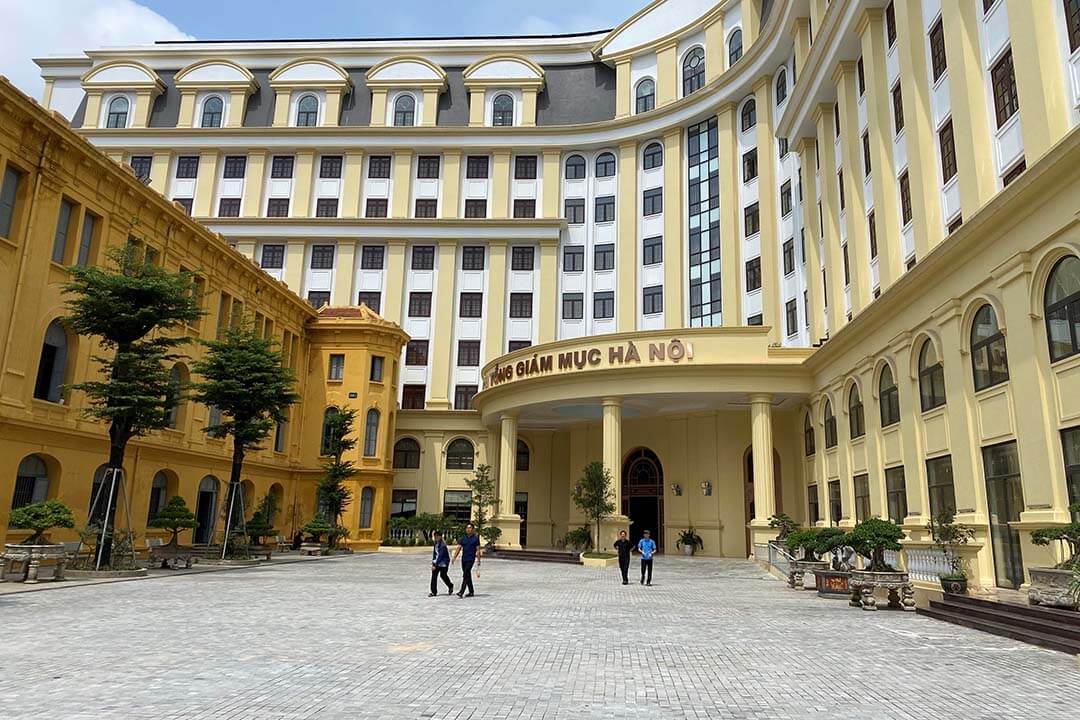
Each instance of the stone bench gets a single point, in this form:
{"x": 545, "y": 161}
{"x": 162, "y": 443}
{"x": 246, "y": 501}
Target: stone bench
{"x": 26, "y": 560}
{"x": 169, "y": 555}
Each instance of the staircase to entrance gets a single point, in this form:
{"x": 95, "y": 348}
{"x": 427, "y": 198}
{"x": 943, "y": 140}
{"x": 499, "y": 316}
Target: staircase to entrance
{"x": 1048, "y": 627}
{"x": 548, "y": 556}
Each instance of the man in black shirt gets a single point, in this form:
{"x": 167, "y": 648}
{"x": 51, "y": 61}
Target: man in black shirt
{"x": 623, "y": 547}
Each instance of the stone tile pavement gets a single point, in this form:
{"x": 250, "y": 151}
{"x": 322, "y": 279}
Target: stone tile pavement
{"x": 356, "y": 637}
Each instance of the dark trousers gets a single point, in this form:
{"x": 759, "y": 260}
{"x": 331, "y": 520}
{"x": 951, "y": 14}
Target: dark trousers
{"x": 646, "y": 565}
{"x": 436, "y": 573}
{"x": 466, "y": 577}
{"x": 624, "y": 567}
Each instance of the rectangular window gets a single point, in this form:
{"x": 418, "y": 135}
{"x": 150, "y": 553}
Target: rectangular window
{"x": 281, "y": 167}
{"x": 652, "y": 300}
{"x": 427, "y": 167}
{"x": 604, "y": 256}
{"x": 836, "y": 118}
{"x": 1070, "y": 449}
{"x": 905, "y": 198}
{"x": 322, "y": 257}
{"x": 753, "y": 274}
{"x": 63, "y": 228}
{"x": 1072, "y": 22}
{"x": 898, "y": 109}
{"x": 427, "y": 208}
{"x": 860, "y": 74}
{"x": 337, "y": 367}
{"x": 785, "y": 199}
{"x": 326, "y": 207}
{"x": 330, "y": 167}
{"x": 463, "y": 396}
{"x": 277, "y": 207}
{"x": 423, "y": 257}
{"x": 836, "y": 503}
{"x": 412, "y": 398}
{"x": 86, "y": 239}
{"x": 376, "y": 373}
{"x": 789, "y": 256}
{"x": 749, "y": 165}
{"x": 9, "y": 193}
{"x": 514, "y": 345}
{"x": 939, "y": 479}
{"x": 472, "y": 257}
{"x": 185, "y": 204}
{"x": 379, "y": 166}
{"x": 573, "y": 258}
{"x": 896, "y": 494}
{"x": 142, "y": 165}
{"x": 468, "y": 353}
{"x": 890, "y": 24}
{"x": 871, "y": 231}
{"x": 813, "y": 511}
{"x": 754, "y": 320}
{"x": 372, "y": 257}
{"x": 318, "y": 298}
{"x": 476, "y": 208}
{"x": 840, "y": 185}
{"x": 574, "y": 210}
{"x": 476, "y": 167}
{"x": 605, "y": 209}
{"x": 782, "y": 147}
{"x": 403, "y": 502}
{"x": 273, "y": 257}
{"x": 573, "y": 306}
{"x": 376, "y": 208}
{"x": 938, "y": 62}
{"x": 867, "y": 167}
{"x": 1003, "y": 80}
{"x": 604, "y": 305}
{"x": 847, "y": 265}
{"x": 791, "y": 316}
{"x": 187, "y": 167}
{"x": 372, "y": 299}
{"x": 948, "y": 151}
{"x": 862, "y": 497}
{"x": 525, "y": 167}
{"x": 235, "y": 167}
{"x": 521, "y": 305}
{"x": 416, "y": 353}
{"x": 470, "y": 305}
{"x": 1014, "y": 173}
{"x": 751, "y": 221}
{"x": 458, "y": 504}
{"x": 652, "y": 250}
{"x": 652, "y": 202}
{"x": 419, "y": 304}
{"x": 524, "y": 208}
{"x": 522, "y": 258}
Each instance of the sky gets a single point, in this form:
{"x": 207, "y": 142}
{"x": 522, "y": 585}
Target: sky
{"x": 36, "y": 28}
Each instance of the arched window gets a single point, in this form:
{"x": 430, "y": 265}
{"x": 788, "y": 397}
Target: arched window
{"x": 118, "y": 113}
{"x": 781, "y": 86}
{"x": 1062, "y": 304}
{"x": 931, "y": 378}
{"x": 575, "y": 167}
{"x": 31, "y": 482}
{"x": 405, "y": 111}
{"x": 371, "y": 432}
{"x": 605, "y": 165}
{"x": 830, "y": 426}
{"x": 521, "y": 461}
{"x": 809, "y": 444}
{"x": 502, "y": 111}
{"x": 367, "y": 504}
{"x": 307, "y": 111}
{"x": 856, "y": 422}
{"x": 888, "y": 398}
{"x": 734, "y": 47}
{"x": 406, "y": 454}
{"x": 693, "y": 71}
{"x": 645, "y": 96}
{"x": 52, "y": 367}
{"x": 459, "y": 455}
{"x": 211, "y": 112}
{"x": 989, "y": 362}
{"x": 206, "y": 510}
{"x": 748, "y": 116}
{"x": 653, "y": 157}
{"x": 329, "y": 442}
{"x": 176, "y": 380}
{"x": 159, "y": 490}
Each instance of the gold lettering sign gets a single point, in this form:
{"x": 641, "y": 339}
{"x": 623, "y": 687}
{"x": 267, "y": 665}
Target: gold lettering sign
{"x": 620, "y": 355}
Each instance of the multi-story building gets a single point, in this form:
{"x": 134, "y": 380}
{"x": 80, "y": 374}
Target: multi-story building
{"x": 633, "y": 245}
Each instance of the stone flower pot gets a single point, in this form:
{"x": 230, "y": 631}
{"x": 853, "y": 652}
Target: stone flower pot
{"x": 27, "y": 559}
{"x": 863, "y": 582}
{"x": 1050, "y": 586}
{"x": 954, "y": 586}
{"x": 798, "y": 568}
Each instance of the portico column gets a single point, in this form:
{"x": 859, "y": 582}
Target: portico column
{"x": 612, "y": 421}
{"x": 762, "y": 453}
{"x": 506, "y": 519}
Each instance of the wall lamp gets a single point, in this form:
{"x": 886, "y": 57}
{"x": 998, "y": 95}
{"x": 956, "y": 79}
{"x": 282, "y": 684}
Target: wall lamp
{"x": 706, "y": 488}
{"x": 676, "y": 489}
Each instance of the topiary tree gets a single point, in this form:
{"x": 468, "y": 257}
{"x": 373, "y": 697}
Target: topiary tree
{"x": 804, "y": 540}
{"x": 261, "y": 523}
{"x": 829, "y": 541}
{"x": 593, "y": 492}
{"x": 784, "y": 524}
{"x": 871, "y": 538}
{"x": 174, "y": 517}
{"x": 317, "y": 527}
{"x": 41, "y": 517}
{"x": 1068, "y": 536}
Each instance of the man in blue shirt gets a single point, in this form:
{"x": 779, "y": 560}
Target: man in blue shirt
{"x": 469, "y": 549}
{"x": 646, "y": 546}
{"x": 440, "y": 563}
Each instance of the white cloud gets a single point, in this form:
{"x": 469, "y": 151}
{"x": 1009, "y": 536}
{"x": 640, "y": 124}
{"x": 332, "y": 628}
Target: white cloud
{"x": 38, "y": 28}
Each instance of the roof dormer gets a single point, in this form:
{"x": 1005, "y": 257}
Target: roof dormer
{"x": 213, "y": 93}
{"x": 405, "y": 91}
{"x": 120, "y": 94}
{"x": 308, "y": 92}
{"x": 502, "y": 91}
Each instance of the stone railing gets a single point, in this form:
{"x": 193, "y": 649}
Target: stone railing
{"x": 926, "y": 564}
{"x": 779, "y": 558}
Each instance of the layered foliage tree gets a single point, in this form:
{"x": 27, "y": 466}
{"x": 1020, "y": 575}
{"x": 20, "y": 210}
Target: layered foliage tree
{"x": 174, "y": 517}
{"x": 332, "y": 493}
{"x": 593, "y": 494}
{"x": 317, "y": 527}
{"x": 261, "y": 523}
{"x": 484, "y": 489}
{"x": 41, "y": 517}
{"x": 1066, "y": 535}
{"x": 871, "y": 538}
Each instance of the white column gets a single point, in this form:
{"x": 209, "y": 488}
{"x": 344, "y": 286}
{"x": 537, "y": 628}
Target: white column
{"x": 506, "y": 519}
{"x": 612, "y": 419}
{"x": 762, "y": 455}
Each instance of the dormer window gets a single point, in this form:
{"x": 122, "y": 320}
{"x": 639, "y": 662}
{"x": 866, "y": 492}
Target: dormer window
{"x": 645, "y": 96}
{"x": 118, "y": 113}
{"x": 212, "y": 112}
{"x": 307, "y": 111}
{"x": 502, "y": 111}
{"x": 405, "y": 111}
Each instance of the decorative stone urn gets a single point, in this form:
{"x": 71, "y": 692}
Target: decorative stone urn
{"x": 1050, "y": 586}
{"x": 863, "y": 582}
{"x": 30, "y": 557}
{"x": 798, "y": 568}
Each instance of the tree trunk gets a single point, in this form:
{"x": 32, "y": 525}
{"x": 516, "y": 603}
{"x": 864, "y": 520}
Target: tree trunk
{"x": 110, "y": 492}
{"x": 233, "y": 497}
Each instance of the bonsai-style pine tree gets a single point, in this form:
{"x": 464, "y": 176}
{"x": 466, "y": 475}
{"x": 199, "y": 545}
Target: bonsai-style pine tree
{"x": 174, "y": 517}
{"x": 261, "y": 523}
{"x": 331, "y": 492}
{"x": 784, "y": 524}
{"x": 244, "y": 377}
{"x": 41, "y": 517}
{"x": 1067, "y": 535}
{"x": 804, "y": 539}
{"x": 317, "y": 527}
{"x": 593, "y": 494}
{"x": 871, "y": 538}
{"x": 484, "y": 489}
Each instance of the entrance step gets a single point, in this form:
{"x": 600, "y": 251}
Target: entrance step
{"x": 1047, "y": 627}
{"x": 549, "y": 556}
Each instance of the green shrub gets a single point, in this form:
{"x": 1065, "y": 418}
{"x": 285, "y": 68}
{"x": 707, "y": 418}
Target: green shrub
{"x": 579, "y": 538}
{"x": 1067, "y": 535}
{"x": 871, "y": 538}
{"x": 804, "y": 539}
{"x": 41, "y": 517}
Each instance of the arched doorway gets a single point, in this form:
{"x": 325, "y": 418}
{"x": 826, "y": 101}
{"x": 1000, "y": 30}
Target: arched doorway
{"x": 748, "y": 489}
{"x": 206, "y": 509}
{"x": 643, "y": 494}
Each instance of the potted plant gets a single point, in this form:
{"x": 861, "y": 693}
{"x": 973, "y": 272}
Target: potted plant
{"x": 578, "y": 539}
{"x": 39, "y": 518}
{"x": 831, "y": 545}
{"x": 871, "y": 538}
{"x": 176, "y": 518}
{"x": 689, "y": 541}
{"x": 948, "y": 537}
{"x": 784, "y": 524}
{"x": 315, "y": 529}
{"x": 1051, "y": 586}
{"x": 801, "y": 544}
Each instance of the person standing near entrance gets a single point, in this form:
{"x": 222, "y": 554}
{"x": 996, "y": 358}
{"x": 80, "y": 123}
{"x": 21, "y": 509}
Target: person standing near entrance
{"x": 440, "y": 563}
{"x": 469, "y": 549}
{"x": 646, "y": 546}
{"x": 623, "y": 546}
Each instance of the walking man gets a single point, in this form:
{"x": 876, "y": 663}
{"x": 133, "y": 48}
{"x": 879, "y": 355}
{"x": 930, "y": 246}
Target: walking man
{"x": 646, "y": 546}
{"x": 623, "y": 547}
{"x": 469, "y": 549}
{"x": 440, "y": 563}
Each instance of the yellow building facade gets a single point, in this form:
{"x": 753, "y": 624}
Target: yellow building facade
{"x": 756, "y": 256}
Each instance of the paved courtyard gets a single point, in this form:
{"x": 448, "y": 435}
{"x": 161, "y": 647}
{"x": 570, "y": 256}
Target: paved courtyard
{"x": 358, "y": 638}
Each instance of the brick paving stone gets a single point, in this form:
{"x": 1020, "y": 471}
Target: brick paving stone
{"x": 358, "y": 638}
